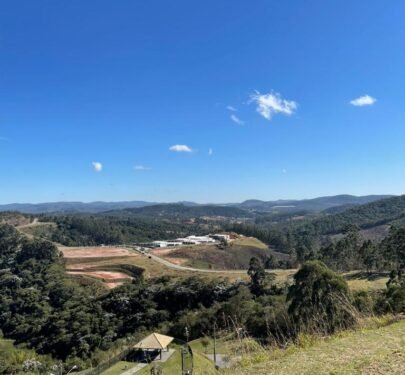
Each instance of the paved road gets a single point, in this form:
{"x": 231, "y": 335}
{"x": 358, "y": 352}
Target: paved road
{"x": 190, "y": 269}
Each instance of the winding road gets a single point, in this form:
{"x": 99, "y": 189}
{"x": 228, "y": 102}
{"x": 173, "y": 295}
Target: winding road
{"x": 190, "y": 269}
{"x": 155, "y": 258}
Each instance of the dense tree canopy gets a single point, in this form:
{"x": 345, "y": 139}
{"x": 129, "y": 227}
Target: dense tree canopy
{"x": 320, "y": 299}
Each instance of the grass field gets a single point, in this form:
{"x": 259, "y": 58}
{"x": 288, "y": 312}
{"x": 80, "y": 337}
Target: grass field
{"x": 373, "y": 351}
{"x": 361, "y": 281}
{"x": 202, "y": 366}
{"x": 119, "y": 368}
{"x": 235, "y": 256}
{"x": 250, "y": 241}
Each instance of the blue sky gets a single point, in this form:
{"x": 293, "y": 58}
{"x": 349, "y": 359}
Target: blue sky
{"x": 120, "y": 83}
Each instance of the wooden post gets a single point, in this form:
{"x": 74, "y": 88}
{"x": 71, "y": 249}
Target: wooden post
{"x": 215, "y": 347}
{"x": 182, "y": 361}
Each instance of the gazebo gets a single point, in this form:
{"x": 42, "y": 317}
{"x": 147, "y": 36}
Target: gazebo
{"x": 155, "y": 341}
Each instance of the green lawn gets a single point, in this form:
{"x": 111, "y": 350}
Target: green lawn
{"x": 250, "y": 241}
{"x": 202, "y": 366}
{"x": 119, "y": 368}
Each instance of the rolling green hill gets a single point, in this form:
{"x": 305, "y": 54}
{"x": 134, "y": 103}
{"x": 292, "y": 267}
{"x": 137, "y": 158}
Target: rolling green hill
{"x": 312, "y": 205}
{"x": 235, "y": 256}
{"x": 381, "y": 212}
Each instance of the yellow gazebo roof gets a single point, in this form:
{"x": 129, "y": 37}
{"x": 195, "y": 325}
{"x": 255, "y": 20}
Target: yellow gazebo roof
{"x": 154, "y": 341}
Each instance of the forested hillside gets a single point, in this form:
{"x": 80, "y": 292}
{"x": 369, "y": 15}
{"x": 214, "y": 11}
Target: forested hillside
{"x": 314, "y": 238}
{"x": 182, "y": 211}
{"x": 43, "y": 309}
{"x": 311, "y": 205}
{"x": 70, "y": 207}
{"x": 87, "y": 230}
{"x": 15, "y": 218}
{"x": 385, "y": 211}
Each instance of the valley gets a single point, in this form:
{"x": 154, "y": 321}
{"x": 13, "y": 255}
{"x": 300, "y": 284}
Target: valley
{"x": 141, "y": 273}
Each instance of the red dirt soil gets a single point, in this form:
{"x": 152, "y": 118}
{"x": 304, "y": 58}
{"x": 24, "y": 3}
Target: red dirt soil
{"x": 110, "y": 279}
{"x": 94, "y": 252}
{"x": 105, "y": 275}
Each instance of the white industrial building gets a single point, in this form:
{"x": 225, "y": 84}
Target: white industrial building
{"x": 224, "y": 237}
{"x": 192, "y": 240}
{"x": 201, "y": 239}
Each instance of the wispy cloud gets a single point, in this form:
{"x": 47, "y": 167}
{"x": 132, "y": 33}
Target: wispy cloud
{"x": 180, "y": 148}
{"x": 363, "y": 100}
{"x": 270, "y": 104}
{"x": 97, "y": 166}
{"x": 231, "y": 108}
{"x": 141, "y": 168}
{"x": 210, "y": 151}
{"x": 236, "y": 119}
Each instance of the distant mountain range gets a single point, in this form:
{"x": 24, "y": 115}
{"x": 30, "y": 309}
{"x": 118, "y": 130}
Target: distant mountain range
{"x": 311, "y": 205}
{"x": 181, "y": 210}
{"x": 320, "y": 204}
{"x": 72, "y": 207}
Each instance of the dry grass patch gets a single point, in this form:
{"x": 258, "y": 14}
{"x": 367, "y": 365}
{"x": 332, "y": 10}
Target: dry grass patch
{"x": 376, "y": 351}
{"x": 95, "y": 252}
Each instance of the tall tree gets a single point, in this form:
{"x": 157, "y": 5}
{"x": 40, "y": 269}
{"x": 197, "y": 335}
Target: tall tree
{"x": 257, "y": 275}
{"x": 319, "y": 299}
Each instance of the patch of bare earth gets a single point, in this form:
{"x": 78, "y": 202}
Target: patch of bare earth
{"x": 95, "y": 252}
{"x": 89, "y": 268}
{"x": 161, "y": 252}
{"x": 113, "y": 285}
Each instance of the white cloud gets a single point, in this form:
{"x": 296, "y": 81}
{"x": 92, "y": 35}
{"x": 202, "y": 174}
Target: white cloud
{"x": 210, "y": 152}
{"x": 180, "y": 148}
{"x": 270, "y": 104}
{"x": 230, "y": 108}
{"x": 363, "y": 100}
{"x": 141, "y": 168}
{"x": 236, "y": 120}
{"x": 97, "y": 166}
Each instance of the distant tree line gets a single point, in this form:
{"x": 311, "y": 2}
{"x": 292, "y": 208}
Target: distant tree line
{"x": 348, "y": 252}
{"x": 88, "y": 230}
